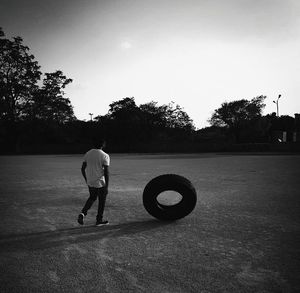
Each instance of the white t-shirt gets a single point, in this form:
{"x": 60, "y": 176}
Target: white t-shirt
{"x": 95, "y": 160}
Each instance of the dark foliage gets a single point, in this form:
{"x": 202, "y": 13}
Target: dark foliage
{"x": 25, "y": 107}
{"x": 237, "y": 116}
{"x": 36, "y": 117}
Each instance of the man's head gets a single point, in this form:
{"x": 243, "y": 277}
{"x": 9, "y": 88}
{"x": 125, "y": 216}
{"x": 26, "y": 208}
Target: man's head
{"x": 99, "y": 143}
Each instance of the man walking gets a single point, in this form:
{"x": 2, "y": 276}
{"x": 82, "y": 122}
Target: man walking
{"x": 96, "y": 174}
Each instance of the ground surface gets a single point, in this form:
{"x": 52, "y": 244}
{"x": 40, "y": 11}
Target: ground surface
{"x": 243, "y": 235}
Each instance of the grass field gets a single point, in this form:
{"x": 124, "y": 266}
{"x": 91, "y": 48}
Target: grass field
{"x": 243, "y": 235}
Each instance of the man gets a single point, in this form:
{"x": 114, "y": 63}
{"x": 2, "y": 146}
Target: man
{"x": 96, "y": 174}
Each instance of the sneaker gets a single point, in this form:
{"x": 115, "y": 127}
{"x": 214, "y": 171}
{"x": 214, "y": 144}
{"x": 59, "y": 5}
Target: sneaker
{"x": 101, "y": 223}
{"x": 80, "y": 219}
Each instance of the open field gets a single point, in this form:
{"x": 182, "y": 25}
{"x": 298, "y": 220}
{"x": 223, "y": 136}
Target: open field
{"x": 243, "y": 235}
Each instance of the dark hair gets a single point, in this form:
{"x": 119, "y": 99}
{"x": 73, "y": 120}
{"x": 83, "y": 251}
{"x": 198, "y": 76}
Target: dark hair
{"x": 98, "y": 142}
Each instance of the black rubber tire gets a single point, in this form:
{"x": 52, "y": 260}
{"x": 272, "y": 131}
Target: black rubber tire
{"x": 175, "y": 183}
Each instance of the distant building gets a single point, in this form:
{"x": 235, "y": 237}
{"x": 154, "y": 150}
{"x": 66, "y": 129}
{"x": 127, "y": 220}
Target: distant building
{"x": 296, "y": 134}
{"x": 279, "y": 136}
{"x": 286, "y": 129}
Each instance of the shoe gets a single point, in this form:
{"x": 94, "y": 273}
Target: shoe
{"x": 101, "y": 223}
{"x": 80, "y": 218}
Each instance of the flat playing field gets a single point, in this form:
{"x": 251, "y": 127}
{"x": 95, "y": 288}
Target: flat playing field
{"x": 243, "y": 235}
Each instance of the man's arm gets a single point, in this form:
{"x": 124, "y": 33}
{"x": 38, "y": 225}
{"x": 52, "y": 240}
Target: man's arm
{"x": 106, "y": 175}
{"x": 83, "y": 170}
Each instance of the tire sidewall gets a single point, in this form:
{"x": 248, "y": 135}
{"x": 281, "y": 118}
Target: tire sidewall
{"x": 169, "y": 182}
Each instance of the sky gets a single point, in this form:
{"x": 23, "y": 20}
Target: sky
{"x": 197, "y": 53}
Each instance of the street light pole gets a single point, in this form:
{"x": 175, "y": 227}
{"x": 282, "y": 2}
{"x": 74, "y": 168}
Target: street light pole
{"x": 277, "y": 106}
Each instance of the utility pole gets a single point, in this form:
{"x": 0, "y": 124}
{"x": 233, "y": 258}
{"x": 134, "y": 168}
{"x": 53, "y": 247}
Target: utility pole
{"x": 91, "y": 114}
{"x": 277, "y": 106}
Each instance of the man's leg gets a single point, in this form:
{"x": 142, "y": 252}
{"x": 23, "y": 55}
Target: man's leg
{"x": 102, "y": 193}
{"x": 88, "y": 204}
{"x": 90, "y": 200}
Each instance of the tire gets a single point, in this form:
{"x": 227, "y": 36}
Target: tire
{"x": 170, "y": 182}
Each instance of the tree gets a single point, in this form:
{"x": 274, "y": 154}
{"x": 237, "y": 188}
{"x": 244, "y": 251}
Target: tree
{"x": 168, "y": 116}
{"x": 123, "y": 121}
{"x": 19, "y": 73}
{"x": 126, "y": 104}
{"x": 153, "y": 116}
{"x": 48, "y": 102}
{"x": 22, "y": 101}
{"x": 129, "y": 126}
{"x": 177, "y": 118}
{"x": 236, "y": 115}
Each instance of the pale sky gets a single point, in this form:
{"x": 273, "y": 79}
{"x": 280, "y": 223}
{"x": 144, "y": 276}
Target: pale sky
{"x": 197, "y": 53}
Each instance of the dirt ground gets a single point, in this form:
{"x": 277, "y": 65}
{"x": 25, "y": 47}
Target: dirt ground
{"x": 243, "y": 235}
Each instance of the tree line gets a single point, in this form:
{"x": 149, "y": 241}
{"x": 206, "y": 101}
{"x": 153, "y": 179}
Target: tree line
{"x": 35, "y": 115}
